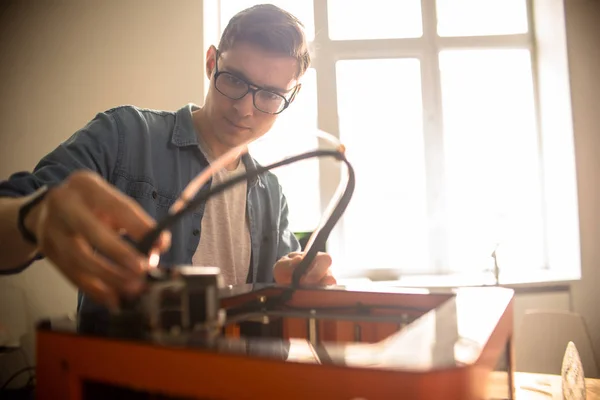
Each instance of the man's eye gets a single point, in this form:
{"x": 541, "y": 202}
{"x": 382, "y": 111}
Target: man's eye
{"x": 271, "y": 96}
{"x": 233, "y": 80}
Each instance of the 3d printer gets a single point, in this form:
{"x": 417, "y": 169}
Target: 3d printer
{"x": 188, "y": 337}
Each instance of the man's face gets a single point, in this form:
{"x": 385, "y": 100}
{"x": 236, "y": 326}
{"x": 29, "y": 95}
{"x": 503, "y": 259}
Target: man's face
{"x": 236, "y": 121}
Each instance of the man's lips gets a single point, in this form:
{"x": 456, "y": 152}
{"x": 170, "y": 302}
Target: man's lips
{"x": 235, "y": 125}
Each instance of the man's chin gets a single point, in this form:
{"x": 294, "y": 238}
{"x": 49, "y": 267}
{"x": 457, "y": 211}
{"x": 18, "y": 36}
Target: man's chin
{"x": 234, "y": 138}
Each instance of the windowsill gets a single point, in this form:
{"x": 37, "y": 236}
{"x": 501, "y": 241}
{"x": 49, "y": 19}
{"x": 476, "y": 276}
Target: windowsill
{"x": 521, "y": 282}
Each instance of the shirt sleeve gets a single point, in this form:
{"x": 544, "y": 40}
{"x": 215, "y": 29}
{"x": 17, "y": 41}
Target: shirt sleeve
{"x": 94, "y": 147}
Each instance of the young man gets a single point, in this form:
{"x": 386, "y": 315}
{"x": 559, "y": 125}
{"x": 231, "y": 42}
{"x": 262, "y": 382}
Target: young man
{"x": 124, "y": 169}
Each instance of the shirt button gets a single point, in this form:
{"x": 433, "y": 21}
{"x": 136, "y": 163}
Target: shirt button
{"x": 154, "y": 195}
{"x": 196, "y": 232}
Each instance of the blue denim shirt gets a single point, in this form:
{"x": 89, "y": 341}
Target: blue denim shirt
{"x": 151, "y": 156}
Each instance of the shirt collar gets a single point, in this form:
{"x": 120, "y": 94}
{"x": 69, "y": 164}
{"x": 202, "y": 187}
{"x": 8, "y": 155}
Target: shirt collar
{"x": 250, "y": 165}
{"x": 184, "y": 132}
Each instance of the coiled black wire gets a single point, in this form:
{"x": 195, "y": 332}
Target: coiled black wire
{"x": 145, "y": 245}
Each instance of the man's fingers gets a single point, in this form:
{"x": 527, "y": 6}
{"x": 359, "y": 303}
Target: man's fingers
{"x": 318, "y": 268}
{"x": 328, "y": 280}
{"x": 113, "y": 275}
{"x": 81, "y": 221}
{"x": 91, "y": 285}
{"x": 81, "y": 261}
{"x": 164, "y": 242}
{"x": 283, "y": 270}
{"x": 121, "y": 209}
{"x": 81, "y": 228}
{"x": 98, "y": 291}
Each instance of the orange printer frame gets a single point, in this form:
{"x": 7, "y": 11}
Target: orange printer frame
{"x": 346, "y": 344}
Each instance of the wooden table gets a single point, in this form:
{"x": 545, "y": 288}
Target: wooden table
{"x": 536, "y": 387}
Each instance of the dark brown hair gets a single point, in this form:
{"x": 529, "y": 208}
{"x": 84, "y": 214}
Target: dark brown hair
{"x": 271, "y": 28}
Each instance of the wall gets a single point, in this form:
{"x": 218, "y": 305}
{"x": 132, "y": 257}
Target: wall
{"x": 61, "y": 62}
{"x": 583, "y": 40}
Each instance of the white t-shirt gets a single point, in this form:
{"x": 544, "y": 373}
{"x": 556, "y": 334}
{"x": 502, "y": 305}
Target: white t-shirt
{"x": 225, "y": 231}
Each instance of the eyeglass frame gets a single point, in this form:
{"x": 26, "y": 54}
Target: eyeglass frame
{"x": 252, "y": 88}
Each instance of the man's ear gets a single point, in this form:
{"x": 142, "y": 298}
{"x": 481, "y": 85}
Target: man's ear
{"x": 211, "y": 61}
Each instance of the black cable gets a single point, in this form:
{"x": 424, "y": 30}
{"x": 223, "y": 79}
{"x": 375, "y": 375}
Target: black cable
{"x": 30, "y": 382}
{"x": 16, "y": 374}
{"x": 324, "y": 233}
{"x": 147, "y": 242}
{"x": 31, "y": 375}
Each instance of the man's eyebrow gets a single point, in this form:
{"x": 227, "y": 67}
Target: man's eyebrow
{"x": 240, "y": 74}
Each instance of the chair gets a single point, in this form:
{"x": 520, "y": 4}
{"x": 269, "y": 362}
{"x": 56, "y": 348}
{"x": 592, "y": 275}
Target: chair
{"x": 542, "y": 338}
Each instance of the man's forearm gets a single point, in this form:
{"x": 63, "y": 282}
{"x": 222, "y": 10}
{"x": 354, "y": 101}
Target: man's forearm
{"x": 14, "y": 250}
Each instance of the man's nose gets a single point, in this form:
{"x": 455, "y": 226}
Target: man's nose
{"x": 245, "y": 105}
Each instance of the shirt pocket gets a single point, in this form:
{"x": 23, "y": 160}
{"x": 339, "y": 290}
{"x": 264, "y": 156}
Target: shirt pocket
{"x": 154, "y": 201}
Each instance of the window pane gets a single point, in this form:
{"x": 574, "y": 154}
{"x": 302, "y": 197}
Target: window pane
{"x": 294, "y": 133}
{"x": 492, "y": 160}
{"x": 481, "y": 17}
{"x": 303, "y": 10}
{"x": 374, "y": 19}
{"x": 380, "y": 114}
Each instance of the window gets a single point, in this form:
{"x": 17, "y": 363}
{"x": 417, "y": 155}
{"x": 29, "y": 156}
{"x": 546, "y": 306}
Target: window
{"x": 375, "y": 19}
{"x": 489, "y": 122}
{"x": 438, "y": 103}
{"x": 383, "y": 132}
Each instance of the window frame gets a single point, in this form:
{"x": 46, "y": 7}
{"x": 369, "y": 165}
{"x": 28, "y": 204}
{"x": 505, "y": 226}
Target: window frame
{"x": 426, "y": 49}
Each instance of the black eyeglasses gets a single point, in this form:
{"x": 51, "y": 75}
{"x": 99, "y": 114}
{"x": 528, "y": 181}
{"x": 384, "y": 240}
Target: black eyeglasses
{"x": 236, "y": 88}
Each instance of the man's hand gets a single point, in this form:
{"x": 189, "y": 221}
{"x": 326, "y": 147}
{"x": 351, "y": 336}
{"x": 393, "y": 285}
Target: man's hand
{"x": 79, "y": 227}
{"x": 318, "y": 273}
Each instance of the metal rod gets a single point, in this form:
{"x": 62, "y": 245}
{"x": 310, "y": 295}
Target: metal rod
{"x": 324, "y": 315}
{"x": 312, "y": 329}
